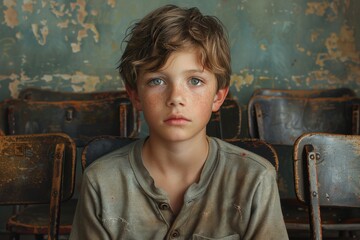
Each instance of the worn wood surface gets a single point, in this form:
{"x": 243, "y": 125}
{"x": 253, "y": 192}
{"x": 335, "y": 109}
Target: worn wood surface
{"x": 36, "y": 169}
{"x": 26, "y": 163}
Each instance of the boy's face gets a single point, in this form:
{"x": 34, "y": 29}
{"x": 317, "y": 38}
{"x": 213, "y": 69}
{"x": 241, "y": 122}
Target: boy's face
{"x": 178, "y": 99}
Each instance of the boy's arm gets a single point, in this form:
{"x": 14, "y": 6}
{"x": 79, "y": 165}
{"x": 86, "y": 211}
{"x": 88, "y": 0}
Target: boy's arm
{"x": 266, "y": 220}
{"x": 87, "y": 220}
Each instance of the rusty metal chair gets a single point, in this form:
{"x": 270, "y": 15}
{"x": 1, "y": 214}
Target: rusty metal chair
{"x": 327, "y": 173}
{"x": 280, "y": 118}
{"x": 36, "y": 169}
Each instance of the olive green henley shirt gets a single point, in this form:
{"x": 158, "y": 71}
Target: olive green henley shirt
{"x": 236, "y": 198}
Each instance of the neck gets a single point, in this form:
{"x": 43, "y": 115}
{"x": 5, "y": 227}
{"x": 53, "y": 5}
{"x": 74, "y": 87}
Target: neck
{"x": 175, "y": 166}
{"x": 184, "y": 158}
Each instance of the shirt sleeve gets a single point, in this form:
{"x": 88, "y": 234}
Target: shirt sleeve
{"x": 266, "y": 221}
{"x": 87, "y": 222}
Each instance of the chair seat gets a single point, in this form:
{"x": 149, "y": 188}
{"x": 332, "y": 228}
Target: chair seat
{"x": 296, "y": 217}
{"x": 34, "y": 219}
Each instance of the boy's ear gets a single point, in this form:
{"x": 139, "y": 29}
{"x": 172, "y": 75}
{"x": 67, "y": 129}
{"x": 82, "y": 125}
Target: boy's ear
{"x": 134, "y": 97}
{"x": 219, "y": 98}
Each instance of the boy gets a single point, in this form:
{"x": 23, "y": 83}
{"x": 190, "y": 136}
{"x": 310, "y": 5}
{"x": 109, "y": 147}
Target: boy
{"x": 178, "y": 183}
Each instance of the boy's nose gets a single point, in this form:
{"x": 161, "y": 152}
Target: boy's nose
{"x": 176, "y": 96}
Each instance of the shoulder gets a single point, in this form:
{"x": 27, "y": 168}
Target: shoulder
{"x": 237, "y": 157}
{"x": 109, "y": 163}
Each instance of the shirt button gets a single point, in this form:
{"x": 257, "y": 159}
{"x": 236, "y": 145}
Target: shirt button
{"x": 164, "y": 206}
{"x": 175, "y": 234}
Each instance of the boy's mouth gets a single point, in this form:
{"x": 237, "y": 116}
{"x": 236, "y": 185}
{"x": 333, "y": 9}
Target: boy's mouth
{"x": 176, "y": 120}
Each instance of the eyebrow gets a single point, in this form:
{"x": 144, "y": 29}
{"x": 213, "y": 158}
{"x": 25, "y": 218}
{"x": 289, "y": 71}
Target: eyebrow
{"x": 195, "y": 70}
{"x": 189, "y": 71}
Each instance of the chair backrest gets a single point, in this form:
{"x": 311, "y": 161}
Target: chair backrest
{"x": 26, "y": 163}
{"x": 309, "y": 93}
{"x": 38, "y": 94}
{"x": 259, "y": 147}
{"x": 337, "y": 166}
{"x": 225, "y": 123}
{"x": 100, "y": 146}
{"x": 36, "y": 169}
{"x": 327, "y": 172}
{"x": 81, "y": 120}
{"x": 279, "y": 117}
{"x": 280, "y": 120}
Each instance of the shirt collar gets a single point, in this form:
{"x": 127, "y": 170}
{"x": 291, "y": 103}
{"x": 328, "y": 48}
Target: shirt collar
{"x": 195, "y": 190}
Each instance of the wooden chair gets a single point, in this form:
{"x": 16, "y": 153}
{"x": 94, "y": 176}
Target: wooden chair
{"x": 36, "y": 169}
{"x": 280, "y": 118}
{"x": 327, "y": 173}
{"x": 225, "y": 123}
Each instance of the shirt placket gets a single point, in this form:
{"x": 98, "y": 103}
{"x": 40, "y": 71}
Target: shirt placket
{"x": 177, "y": 224}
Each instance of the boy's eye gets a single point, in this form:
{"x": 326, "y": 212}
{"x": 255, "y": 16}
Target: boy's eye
{"x": 156, "y": 81}
{"x": 195, "y": 81}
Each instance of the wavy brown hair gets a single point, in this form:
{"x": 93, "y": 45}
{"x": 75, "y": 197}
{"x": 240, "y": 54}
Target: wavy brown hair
{"x": 170, "y": 28}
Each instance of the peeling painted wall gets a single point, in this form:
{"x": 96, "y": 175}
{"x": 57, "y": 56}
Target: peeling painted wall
{"x": 75, "y": 45}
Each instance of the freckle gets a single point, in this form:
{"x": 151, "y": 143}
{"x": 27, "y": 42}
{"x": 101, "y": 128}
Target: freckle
{"x": 243, "y": 154}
